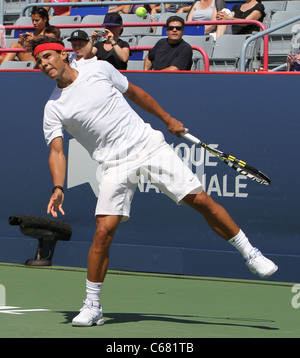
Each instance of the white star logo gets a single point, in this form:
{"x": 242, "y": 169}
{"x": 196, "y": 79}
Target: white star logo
{"x": 12, "y": 309}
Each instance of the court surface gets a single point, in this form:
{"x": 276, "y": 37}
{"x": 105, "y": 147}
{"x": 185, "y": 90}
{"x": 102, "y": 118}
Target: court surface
{"x": 41, "y": 302}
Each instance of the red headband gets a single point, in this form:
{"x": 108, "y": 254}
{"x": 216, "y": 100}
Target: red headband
{"x": 48, "y": 46}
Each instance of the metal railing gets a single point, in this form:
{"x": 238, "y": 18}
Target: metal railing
{"x": 260, "y": 34}
{"x": 132, "y": 48}
{"x": 151, "y": 24}
{"x": 24, "y": 11}
{"x": 104, "y": 3}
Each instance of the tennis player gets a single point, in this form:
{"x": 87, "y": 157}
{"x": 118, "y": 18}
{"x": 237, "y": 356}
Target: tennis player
{"x": 89, "y": 103}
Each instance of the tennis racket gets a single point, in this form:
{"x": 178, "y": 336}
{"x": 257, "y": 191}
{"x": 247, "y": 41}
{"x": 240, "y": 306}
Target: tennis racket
{"x": 236, "y": 164}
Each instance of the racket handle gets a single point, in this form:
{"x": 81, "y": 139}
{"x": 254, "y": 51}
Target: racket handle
{"x": 190, "y": 137}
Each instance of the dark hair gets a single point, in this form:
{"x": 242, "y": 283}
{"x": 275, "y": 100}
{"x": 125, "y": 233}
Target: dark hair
{"x": 42, "y": 12}
{"x": 175, "y": 18}
{"x": 43, "y": 40}
{"x": 52, "y": 30}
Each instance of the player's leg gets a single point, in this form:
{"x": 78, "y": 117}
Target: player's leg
{"x": 215, "y": 215}
{"x": 168, "y": 172}
{"x": 116, "y": 189}
{"x": 98, "y": 258}
{"x": 221, "y": 222}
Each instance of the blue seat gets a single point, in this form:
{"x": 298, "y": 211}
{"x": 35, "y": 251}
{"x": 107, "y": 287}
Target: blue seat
{"x": 194, "y": 30}
{"x": 89, "y": 10}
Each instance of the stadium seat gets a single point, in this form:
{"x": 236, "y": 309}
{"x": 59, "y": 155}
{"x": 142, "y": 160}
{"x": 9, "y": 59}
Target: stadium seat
{"x": 227, "y": 52}
{"x": 130, "y": 39}
{"x": 9, "y": 41}
{"x": 280, "y": 40}
{"x": 88, "y": 10}
{"x": 275, "y": 5}
{"x": 150, "y": 40}
{"x": 206, "y": 42}
{"x": 135, "y": 65}
{"x": 21, "y": 21}
{"x": 11, "y": 10}
{"x": 17, "y": 65}
{"x": 292, "y": 6}
{"x": 137, "y": 31}
{"x": 295, "y": 43}
{"x": 92, "y": 19}
{"x": 65, "y": 20}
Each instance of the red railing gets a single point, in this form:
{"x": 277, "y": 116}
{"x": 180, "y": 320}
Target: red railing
{"x": 133, "y": 48}
{"x": 151, "y": 24}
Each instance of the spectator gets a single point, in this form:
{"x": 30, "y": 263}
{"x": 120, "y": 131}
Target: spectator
{"x": 206, "y": 10}
{"x": 178, "y": 8}
{"x": 112, "y": 49}
{"x": 60, "y": 10}
{"x": 40, "y": 21}
{"x": 82, "y": 48}
{"x": 121, "y": 9}
{"x": 250, "y": 10}
{"x": 52, "y": 31}
{"x": 173, "y": 53}
{"x": 130, "y": 9}
{"x": 293, "y": 62}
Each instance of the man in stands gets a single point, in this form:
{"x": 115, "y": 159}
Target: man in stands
{"x": 172, "y": 53}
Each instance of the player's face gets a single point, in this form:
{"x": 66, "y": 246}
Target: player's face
{"x": 51, "y": 63}
{"x": 175, "y": 31}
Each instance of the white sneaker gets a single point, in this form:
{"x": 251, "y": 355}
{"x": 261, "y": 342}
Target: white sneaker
{"x": 89, "y": 315}
{"x": 260, "y": 265}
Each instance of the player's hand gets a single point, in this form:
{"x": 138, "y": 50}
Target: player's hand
{"x": 175, "y": 127}
{"x": 55, "y": 203}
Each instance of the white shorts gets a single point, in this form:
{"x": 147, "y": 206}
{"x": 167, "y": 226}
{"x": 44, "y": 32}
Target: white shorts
{"x": 158, "y": 163}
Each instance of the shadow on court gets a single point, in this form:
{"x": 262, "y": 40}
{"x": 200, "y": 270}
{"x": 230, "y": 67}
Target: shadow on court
{"x": 119, "y": 318}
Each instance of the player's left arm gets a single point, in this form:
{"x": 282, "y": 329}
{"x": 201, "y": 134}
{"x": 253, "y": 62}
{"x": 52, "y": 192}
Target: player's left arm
{"x": 149, "y": 104}
{"x": 57, "y": 165}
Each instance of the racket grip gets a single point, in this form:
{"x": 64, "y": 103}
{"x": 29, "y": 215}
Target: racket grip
{"x": 190, "y": 137}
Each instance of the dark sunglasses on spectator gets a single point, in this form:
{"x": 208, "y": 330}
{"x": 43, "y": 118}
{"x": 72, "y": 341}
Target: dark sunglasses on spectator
{"x": 178, "y": 28}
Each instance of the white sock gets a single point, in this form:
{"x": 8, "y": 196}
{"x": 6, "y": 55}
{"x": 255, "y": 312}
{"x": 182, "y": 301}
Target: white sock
{"x": 93, "y": 290}
{"x": 242, "y": 244}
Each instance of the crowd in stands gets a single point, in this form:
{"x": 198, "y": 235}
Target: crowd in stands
{"x": 171, "y": 53}
{"x": 60, "y": 10}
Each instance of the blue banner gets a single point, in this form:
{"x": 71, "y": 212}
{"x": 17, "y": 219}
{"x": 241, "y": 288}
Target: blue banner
{"x": 250, "y": 116}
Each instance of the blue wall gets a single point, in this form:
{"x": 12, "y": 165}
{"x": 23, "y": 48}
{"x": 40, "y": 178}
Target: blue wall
{"x": 253, "y": 116}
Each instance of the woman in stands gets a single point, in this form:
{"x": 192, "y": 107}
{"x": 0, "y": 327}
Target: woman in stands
{"x": 206, "y": 10}
{"x": 250, "y": 10}
{"x": 60, "y": 10}
{"x": 112, "y": 49}
{"x": 40, "y": 21}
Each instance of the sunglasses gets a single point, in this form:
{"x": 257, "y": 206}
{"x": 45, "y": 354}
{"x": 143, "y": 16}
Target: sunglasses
{"x": 178, "y": 28}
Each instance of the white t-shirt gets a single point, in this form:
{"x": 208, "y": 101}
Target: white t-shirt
{"x": 77, "y": 63}
{"x": 94, "y": 111}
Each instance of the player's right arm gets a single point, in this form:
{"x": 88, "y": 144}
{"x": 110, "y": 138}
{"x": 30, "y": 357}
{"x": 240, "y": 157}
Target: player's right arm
{"x": 57, "y": 165}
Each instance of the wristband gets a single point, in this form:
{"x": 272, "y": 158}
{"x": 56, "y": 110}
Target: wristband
{"x": 57, "y": 187}
{"x": 114, "y": 44}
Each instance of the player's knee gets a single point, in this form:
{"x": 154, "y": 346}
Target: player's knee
{"x": 103, "y": 237}
{"x": 205, "y": 204}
